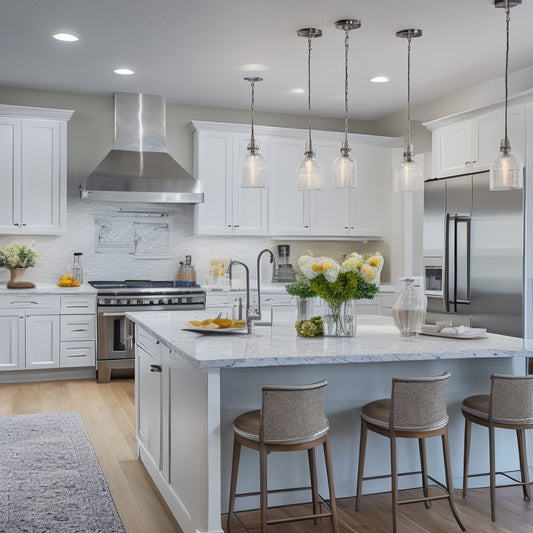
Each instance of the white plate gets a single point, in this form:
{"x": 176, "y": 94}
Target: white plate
{"x": 201, "y": 329}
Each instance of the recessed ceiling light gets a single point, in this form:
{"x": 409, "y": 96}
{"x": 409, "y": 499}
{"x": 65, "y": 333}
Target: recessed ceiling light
{"x": 298, "y": 91}
{"x": 379, "y": 79}
{"x": 124, "y": 71}
{"x": 253, "y": 67}
{"x": 66, "y": 37}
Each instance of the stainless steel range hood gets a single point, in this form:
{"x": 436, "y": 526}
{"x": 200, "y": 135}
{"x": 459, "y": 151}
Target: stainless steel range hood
{"x": 138, "y": 168}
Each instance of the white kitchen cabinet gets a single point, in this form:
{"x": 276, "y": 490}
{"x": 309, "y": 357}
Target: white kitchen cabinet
{"x": 42, "y": 341}
{"x": 227, "y": 209}
{"x": 33, "y": 169}
{"x": 148, "y": 378}
{"x": 12, "y": 331}
{"x": 473, "y": 144}
{"x": 78, "y": 331}
{"x": 280, "y": 209}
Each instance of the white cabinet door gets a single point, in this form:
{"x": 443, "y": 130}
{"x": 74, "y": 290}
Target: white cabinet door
{"x": 328, "y": 214}
{"x": 12, "y": 345}
{"x": 41, "y": 183}
{"x": 42, "y": 341}
{"x": 249, "y": 216}
{"x": 10, "y": 160}
{"x": 214, "y": 167}
{"x": 367, "y": 203}
{"x": 489, "y": 129}
{"x": 148, "y": 375}
{"x": 452, "y": 149}
{"x": 288, "y": 208}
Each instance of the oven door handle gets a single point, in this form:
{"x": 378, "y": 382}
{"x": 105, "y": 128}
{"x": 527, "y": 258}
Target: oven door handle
{"x": 117, "y": 313}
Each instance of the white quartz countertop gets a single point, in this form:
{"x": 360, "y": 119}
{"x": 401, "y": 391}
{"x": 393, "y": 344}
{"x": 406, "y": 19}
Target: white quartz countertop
{"x": 376, "y": 340}
{"x": 50, "y": 288}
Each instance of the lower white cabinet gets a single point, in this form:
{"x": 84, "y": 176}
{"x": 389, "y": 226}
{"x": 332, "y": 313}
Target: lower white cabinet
{"x": 12, "y": 351}
{"x": 42, "y": 341}
{"x": 46, "y": 331}
{"x": 148, "y": 391}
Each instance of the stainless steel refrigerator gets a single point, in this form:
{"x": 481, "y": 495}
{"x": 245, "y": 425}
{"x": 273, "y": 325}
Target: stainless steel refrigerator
{"x": 473, "y": 244}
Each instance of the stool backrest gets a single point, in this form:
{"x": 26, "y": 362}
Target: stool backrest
{"x": 293, "y": 414}
{"x": 511, "y": 399}
{"x": 419, "y": 403}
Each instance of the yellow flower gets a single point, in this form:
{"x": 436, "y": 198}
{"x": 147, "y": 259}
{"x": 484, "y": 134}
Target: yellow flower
{"x": 375, "y": 261}
{"x": 369, "y": 272}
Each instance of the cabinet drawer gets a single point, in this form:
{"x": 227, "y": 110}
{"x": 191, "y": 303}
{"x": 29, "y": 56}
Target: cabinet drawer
{"x": 77, "y": 353}
{"x": 75, "y": 305}
{"x": 32, "y": 302}
{"x": 149, "y": 343}
{"x": 77, "y": 327}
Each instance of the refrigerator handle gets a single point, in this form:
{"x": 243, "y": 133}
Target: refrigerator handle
{"x": 465, "y": 220}
{"x": 446, "y": 288}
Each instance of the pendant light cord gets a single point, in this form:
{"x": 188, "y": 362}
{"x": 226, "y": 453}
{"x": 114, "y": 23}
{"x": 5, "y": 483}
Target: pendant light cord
{"x": 409, "y": 92}
{"x": 309, "y": 47}
{"x": 346, "y": 48}
{"x": 507, "y": 20}
{"x": 252, "y": 140}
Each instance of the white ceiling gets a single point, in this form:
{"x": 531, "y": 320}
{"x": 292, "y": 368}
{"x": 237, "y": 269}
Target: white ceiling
{"x": 193, "y": 51}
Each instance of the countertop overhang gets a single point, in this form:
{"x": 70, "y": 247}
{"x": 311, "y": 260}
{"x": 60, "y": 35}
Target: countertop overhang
{"x": 376, "y": 340}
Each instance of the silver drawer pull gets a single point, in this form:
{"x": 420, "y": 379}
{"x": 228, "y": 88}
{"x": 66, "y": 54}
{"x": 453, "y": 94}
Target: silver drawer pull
{"x": 155, "y": 368}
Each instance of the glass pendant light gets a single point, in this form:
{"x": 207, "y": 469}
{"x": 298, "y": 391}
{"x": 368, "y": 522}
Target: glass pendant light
{"x": 345, "y": 167}
{"x": 253, "y": 167}
{"x": 309, "y": 172}
{"x": 506, "y": 172}
{"x": 409, "y": 176}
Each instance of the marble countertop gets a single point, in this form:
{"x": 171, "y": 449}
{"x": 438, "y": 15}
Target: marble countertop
{"x": 275, "y": 288}
{"x": 50, "y": 288}
{"x": 376, "y": 340}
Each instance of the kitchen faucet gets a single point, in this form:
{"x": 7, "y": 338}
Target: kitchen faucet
{"x": 266, "y": 250}
{"x": 250, "y": 316}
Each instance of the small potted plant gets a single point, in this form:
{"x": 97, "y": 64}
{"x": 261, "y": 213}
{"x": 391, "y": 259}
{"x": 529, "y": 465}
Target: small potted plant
{"x": 301, "y": 288}
{"x": 17, "y": 258}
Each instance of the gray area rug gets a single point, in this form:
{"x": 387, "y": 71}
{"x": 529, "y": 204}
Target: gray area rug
{"x": 50, "y": 477}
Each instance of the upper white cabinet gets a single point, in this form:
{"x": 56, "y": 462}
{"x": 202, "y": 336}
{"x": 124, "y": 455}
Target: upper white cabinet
{"x": 460, "y": 146}
{"x": 227, "y": 209}
{"x": 280, "y": 209}
{"x": 33, "y": 169}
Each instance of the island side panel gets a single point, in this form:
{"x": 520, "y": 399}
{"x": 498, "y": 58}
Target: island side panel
{"x": 350, "y": 386}
{"x": 194, "y": 444}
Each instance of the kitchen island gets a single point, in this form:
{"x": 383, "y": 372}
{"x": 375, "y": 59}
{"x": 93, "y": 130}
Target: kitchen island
{"x": 190, "y": 386}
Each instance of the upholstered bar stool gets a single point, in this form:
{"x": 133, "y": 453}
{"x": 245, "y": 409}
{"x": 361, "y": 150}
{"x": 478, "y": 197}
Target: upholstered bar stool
{"x": 291, "y": 418}
{"x": 415, "y": 410}
{"x": 510, "y": 406}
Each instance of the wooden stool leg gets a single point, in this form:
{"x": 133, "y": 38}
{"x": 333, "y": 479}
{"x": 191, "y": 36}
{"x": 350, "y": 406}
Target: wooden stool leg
{"x": 314, "y": 488}
{"x": 331, "y": 486}
{"x": 234, "y": 474}
{"x": 492, "y": 466}
{"x": 263, "y": 497}
{"x": 521, "y": 437}
{"x": 466, "y": 457}
{"x": 424, "y": 468}
{"x": 394, "y": 482}
{"x": 449, "y": 482}
{"x": 361, "y": 464}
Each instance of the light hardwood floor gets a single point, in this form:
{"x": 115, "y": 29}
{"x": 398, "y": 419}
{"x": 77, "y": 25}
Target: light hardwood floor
{"x": 109, "y": 415}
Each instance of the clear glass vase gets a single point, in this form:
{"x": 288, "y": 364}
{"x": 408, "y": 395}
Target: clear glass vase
{"x": 409, "y": 309}
{"x": 339, "y": 319}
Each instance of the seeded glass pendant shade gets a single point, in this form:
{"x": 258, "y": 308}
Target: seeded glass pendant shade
{"x": 409, "y": 177}
{"x": 344, "y": 171}
{"x": 309, "y": 172}
{"x": 506, "y": 173}
{"x": 252, "y": 165}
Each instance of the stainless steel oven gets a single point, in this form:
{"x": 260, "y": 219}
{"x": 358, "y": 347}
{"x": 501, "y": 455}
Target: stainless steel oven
{"x": 115, "y": 336}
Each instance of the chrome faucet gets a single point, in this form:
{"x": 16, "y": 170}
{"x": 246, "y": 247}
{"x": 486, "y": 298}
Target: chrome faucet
{"x": 250, "y": 315}
{"x": 272, "y": 260}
